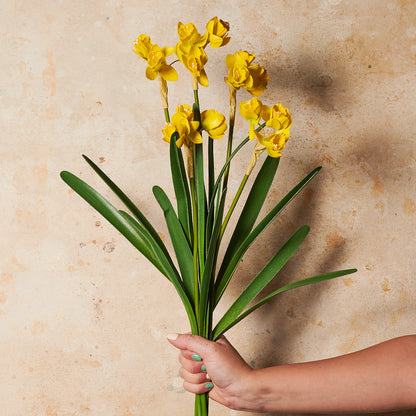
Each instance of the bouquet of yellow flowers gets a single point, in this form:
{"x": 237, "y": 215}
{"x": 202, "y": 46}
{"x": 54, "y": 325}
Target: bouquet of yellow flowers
{"x": 197, "y": 225}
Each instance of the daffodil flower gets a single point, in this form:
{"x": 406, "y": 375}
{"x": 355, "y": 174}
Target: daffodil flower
{"x": 213, "y": 123}
{"x": 277, "y": 117}
{"x": 190, "y": 51}
{"x": 251, "y": 111}
{"x": 182, "y": 123}
{"x": 217, "y": 31}
{"x": 156, "y": 59}
{"x": 274, "y": 142}
{"x": 242, "y": 74}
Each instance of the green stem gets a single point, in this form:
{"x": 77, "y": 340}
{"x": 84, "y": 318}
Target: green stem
{"x": 233, "y": 95}
{"x": 167, "y": 117}
{"x": 233, "y": 205}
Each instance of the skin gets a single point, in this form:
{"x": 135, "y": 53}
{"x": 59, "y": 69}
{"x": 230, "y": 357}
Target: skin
{"x": 376, "y": 379}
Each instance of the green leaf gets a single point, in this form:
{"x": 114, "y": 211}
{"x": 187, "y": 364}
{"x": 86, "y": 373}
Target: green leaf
{"x": 108, "y": 211}
{"x": 179, "y": 241}
{"x": 207, "y": 281}
{"x": 200, "y": 202}
{"x": 219, "y": 331}
{"x": 128, "y": 203}
{"x": 251, "y": 208}
{"x": 262, "y": 279}
{"x": 136, "y": 234}
{"x": 180, "y": 186}
{"x": 224, "y": 278}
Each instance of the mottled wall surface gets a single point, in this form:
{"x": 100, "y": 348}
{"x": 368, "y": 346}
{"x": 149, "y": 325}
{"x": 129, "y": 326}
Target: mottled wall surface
{"x": 83, "y": 316}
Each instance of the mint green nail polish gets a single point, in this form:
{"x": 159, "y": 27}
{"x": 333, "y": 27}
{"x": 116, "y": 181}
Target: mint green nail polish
{"x": 209, "y": 386}
{"x": 196, "y": 357}
{"x": 203, "y": 368}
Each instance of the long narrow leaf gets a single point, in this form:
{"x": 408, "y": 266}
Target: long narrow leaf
{"x": 180, "y": 186}
{"x": 262, "y": 279}
{"x": 209, "y": 274}
{"x": 201, "y": 201}
{"x": 108, "y": 211}
{"x": 224, "y": 279}
{"x": 220, "y": 330}
{"x": 131, "y": 232}
{"x": 127, "y": 202}
{"x": 251, "y": 208}
{"x": 179, "y": 241}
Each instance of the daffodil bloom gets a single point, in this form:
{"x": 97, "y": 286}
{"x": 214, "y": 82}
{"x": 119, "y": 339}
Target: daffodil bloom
{"x": 217, "y": 31}
{"x": 182, "y": 123}
{"x": 242, "y": 74}
{"x": 277, "y": 117}
{"x": 274, "y": 142}
{"x": 251, "y": 111}
{"x": 156, "y": 59}
{"x": 194, "y": 61}
{"x": 213, "y": 123}
{"x": 190, "y": 51}
{"x": 189, "y": 36}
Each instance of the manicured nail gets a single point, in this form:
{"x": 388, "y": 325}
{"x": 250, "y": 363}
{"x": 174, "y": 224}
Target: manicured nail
{"x": 203, "y": 368}
{"x": 196, "y": 357}
{"x": 172, "y": 337}
{"x": 209, "y": 386}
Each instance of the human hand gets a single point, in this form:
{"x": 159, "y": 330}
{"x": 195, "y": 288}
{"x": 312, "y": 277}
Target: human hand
{"x": 215, "y": 367}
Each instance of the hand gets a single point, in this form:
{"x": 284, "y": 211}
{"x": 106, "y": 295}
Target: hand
{"x": 221, "y": 370}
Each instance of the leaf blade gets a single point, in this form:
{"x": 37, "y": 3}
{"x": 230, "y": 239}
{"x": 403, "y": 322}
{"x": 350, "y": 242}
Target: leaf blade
{"x": 179, "y": 241}
{"x": 303, "y": 282}
{"x": 224, "y": 279}
{"x": 263, "y": 278}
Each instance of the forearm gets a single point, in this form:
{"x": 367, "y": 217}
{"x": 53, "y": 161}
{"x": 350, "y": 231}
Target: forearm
{"x": 380, "y": 378}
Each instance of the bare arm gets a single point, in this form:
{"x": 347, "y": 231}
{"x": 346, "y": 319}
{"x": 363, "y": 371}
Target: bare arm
{"x": 379, "y": 378}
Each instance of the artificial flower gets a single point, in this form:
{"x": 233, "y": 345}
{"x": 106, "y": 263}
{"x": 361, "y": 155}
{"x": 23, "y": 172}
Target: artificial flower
{"x": 156, "y": 59}
{"x": 274, "y": 142}
{"x": 190, "y": 51}
{"x": 242, "y": 74}
{"x": 277, "y": 117}
{"x": 217, "y": 31}
{"x": 182, "y": 123}
{"x": 251, "y": 111}
{"x": 213, "y": 123}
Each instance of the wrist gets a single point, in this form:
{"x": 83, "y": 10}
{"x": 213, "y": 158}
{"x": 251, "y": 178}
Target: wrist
{"x": 250, "y": 394}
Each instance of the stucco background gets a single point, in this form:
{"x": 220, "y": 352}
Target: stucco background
{"x": 83, "y": 316}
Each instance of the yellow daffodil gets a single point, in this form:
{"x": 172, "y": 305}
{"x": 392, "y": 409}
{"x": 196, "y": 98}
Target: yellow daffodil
{"x": 213, "y": 123}
{"x": 194, "y": 61}
{"x": 190, "y": 51}
{"x": 251, "y": 111}
{"x": 189, "y": 36}
{"x": 217, "y": 31}
{"x": 277, "y": 117}
{"x": 182, "y": 123}
{"x": 156, "y": 59}
{"x": 242, "y": 74}
{"x": 275, "y": 142}
{"x": 260, "y": 80}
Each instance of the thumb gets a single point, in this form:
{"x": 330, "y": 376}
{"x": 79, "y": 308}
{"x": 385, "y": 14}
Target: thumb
{"x": 194, "y": 343}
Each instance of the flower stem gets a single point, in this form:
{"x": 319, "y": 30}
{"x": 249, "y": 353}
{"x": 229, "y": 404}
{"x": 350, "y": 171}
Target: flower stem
{"x": 233, "y": 95}
{"x": 233, "y": 205}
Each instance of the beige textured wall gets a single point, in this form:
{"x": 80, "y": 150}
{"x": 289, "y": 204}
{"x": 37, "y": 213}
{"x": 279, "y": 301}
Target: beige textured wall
{"x": 83, "y": 317}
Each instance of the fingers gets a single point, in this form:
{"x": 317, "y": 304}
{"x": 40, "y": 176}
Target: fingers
{"x": 198, "y": 388}
{"x": 192, "y": 343}
{"x": 191, "y": 365}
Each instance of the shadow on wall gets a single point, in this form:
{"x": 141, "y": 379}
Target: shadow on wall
{"x": 319, "y": 80}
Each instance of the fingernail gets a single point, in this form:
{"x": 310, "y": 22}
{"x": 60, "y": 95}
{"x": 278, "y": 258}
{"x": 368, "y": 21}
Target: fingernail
{"x": 196, "y": 357}
{"x": 172, "y": 337}
{"x": 209, "y": 386}
{"x": 203, "y": 368}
